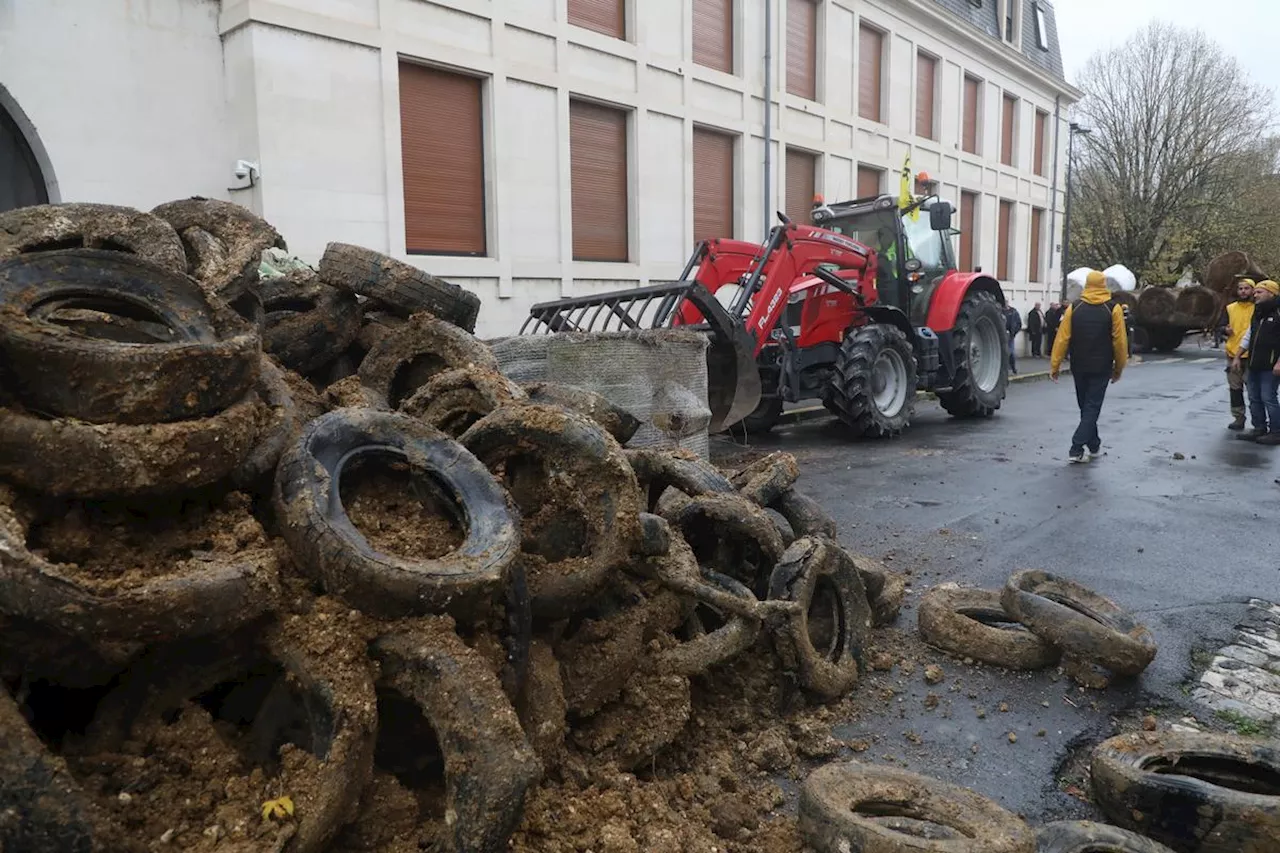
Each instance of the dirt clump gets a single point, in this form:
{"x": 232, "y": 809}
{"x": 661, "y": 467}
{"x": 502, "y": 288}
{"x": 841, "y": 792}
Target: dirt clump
{"x": 400, "y": 514}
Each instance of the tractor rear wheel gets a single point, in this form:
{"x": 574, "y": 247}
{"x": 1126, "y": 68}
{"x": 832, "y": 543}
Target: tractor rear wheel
{"x": 981, "y": 352}
{"x": 764, "y": 417}
{"x": 1165, "y": 338}
{"x": 873, "y": 389}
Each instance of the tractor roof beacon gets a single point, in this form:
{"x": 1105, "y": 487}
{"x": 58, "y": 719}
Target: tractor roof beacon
{"x": 861, "y": 310}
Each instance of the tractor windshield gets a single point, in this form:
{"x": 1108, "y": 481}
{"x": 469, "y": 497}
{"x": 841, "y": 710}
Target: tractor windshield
{"x": 931, "y": 247}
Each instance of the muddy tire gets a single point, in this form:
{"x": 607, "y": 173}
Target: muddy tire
{"x": 764, "y": 481}
{"x": 280, "y": 428}
{"x": 307, "y": 324}
{"x": 731, "y": 535}
{"x": 701, "y": 648}
{"x": 454, "y": 400}
{"x": 489, "y": 765}
{"x": 857, "y": 806}
{"x": 822, "y": 641}
{"x": 873, "y": 388}
{"x": 541, "y": 706}
{"x": 615, "y": 420}
{"x": 805, "y": 515}
{"x": 1079, "y": 621}
{"x": 401, "y": 287}
{"x": 223, "y": 242}
{"x": 764, "y": 417}
{"x": 408, "y": 358}
{"x": 980, "y": 347}
{"x": 660, "y": 470}
{"x": 569, "y": 556}
{"x": 209, "y": 365}
{"x": 1193, "y": 791}
{"x": 123, "y": 230}
{"x": 1083, "y": 836}
{"x": 322, "y": 538}
{"x": 971, "y": 623}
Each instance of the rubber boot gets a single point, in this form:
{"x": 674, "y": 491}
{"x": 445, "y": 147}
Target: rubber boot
{"x": 1237, "y": 410}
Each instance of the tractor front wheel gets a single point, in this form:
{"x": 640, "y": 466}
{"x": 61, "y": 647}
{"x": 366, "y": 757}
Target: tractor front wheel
{"x": 980, "y": 348}
{"x": 873, "y": 389}
{"x": 765, "y": 415}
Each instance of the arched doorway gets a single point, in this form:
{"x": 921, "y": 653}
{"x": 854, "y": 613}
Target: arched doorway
{"x": 22, "y": 182}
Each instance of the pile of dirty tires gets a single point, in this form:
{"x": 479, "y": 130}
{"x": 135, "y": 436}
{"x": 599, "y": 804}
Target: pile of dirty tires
{"x": 270, "y": 546}
{"x": 1038, "y": 620}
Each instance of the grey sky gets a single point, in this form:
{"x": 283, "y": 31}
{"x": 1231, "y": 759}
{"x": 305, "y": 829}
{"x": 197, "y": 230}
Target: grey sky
{"x": 1245, "y": 28}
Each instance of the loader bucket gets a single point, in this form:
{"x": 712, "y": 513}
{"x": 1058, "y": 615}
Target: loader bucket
{"x": 733, "y": 380}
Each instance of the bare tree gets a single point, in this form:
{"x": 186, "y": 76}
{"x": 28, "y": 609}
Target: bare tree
{"x": 1179, "y": 130}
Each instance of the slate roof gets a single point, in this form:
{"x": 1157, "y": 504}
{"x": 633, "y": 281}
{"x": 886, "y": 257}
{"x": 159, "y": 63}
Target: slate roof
{"x": 983, "y": 15}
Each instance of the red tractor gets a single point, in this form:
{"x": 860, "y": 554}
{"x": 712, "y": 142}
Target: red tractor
{"x": 826, "y": 311}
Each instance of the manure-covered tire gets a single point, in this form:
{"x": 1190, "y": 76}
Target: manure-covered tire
{"x": 702, "y": 649}
{"x": 1084, "y": 836}
{"x": 764, "y": 481}
{"x": 409, "y": 357}
{"x": 660, "y": 470}
{"x": 617, "y": 421}
{"x": 980, "y": 349}
{"x": 805, "y": 515}
{"x": 972, "y": 623}
{"x": 731, "y": 535}
{"x": 453, "y": 401}
{"x": 306, "y": 323}
{"x": 396, "y": 285}
{"x": 223, "y": 241}
{"x": 53, "y": 227}
{"x": 873, "y": 388}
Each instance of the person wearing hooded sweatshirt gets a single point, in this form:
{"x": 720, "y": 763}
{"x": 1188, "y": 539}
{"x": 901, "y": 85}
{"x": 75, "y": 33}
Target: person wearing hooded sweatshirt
{"x": 1093, "y": 334}
{"x": 1239, "y": 318}
{"x": 1262, "y": 376}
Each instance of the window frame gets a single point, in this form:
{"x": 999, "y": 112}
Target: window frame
{"x": 1042, "y": 26}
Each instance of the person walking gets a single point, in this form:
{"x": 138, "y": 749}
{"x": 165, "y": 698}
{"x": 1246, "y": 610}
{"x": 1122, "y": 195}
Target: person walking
{"x": 1239, "y": 319}
{"x": 1012, "y": 325}
{"x": 1094, "y": 335}
{"x": 1052, "y": 319}
{"x": 1262, "y": 365}
{"x": 1035, "y": 329}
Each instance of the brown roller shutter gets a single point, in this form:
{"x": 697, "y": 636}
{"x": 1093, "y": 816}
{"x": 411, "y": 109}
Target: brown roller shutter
{"x": 603, "y": 16}
{"x": 598, "y": 164}
{"x": 926, "y": 82}
{"x": 713, "y": 34}
{"x": 802, "y": 48}
{"x": 968, "y": 210}
{"x": 1037, "y": 218}
{"x": 1003, "y": 246}
{"x": 801, "y": 166}
{"x": 1006, "y": 129}
{"x": 972, "y": 91}
{"x": 712, "y": 184}
{"x": 870, "y": 181}
{"x": 1042, "y": 120}
{"x": 442, "y": 157}
{"x": 870, "y": 69}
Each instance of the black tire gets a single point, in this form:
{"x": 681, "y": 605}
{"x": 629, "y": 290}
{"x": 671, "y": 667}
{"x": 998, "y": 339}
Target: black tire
{"x": 1193, "y": 791}
{"x": 1165, "y": 338}
{"x": 322, "y": 538}
{"x": 659, "y": 470}
{"x": 1079, "y": 621}
{"x": 617, "y": 421}
{"x": 454, "y": 400}
{"x": 971, "y": 623}
{"x": 211, "y": 364}
{"x": 731, "y": 535}
{"x": 764, "y": 417}
{"x": 398, "y": 286}
{"x": 764, "y": 481}
{"x": 280, "y": 427}
{"x": 1084, "y": 836}
{"x": 869, "y": 355}
{"x": 967, "y": 398}
{"x": 53, "y": 227}
{"x": 307, "y": 324}
{"x": 224, "y": 242}
{"x": 822, "y": 641}
{"x": 805, "y": 515}
{"x": 489, "y": 766}
{"x": 409, "y": 357}
{"x": 1141, "y": 339}
{"x": 702, "y": 649}
{"x": 854, "y": 806}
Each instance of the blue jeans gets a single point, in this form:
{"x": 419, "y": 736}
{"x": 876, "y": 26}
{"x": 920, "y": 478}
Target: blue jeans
{"x": 1091, "y": 390}
{"x": 1263, "y": 405}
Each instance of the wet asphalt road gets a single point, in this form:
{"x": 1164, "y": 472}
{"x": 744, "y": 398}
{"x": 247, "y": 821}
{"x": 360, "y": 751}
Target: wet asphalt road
{"x": 1184, "y": 543}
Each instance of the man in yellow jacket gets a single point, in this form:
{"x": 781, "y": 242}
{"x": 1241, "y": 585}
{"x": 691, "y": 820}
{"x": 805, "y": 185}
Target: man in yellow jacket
{"x": 1093, "y": 334}
{"x": 1239, "y": 316}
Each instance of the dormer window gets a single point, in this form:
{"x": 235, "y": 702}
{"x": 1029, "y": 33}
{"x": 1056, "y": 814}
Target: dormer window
{"x": 1042, "y": 27}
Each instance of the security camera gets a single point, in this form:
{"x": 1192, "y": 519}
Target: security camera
{"x": 244, "y": 169}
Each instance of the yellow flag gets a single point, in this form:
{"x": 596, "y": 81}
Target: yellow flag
{"x": 904, "y": 189}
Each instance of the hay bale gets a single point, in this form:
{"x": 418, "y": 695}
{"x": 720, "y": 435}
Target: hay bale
{"x": 1126, "y": 297}
{"x": 1196, "y": 307}
{"x": 1223, "y": 270}
{"x": 1156, "y": 306}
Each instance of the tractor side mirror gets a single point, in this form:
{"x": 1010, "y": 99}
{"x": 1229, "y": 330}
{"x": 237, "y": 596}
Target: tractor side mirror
{"x": 940, "y": 216}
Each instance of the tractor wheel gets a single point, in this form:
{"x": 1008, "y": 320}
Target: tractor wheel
{"x": 873, "y": 389}
{"x": 1141, "y": 340}
{"x": 1166, "y": 339}
{"x": 764, "y": 417}
{"x": 981, "y": 353}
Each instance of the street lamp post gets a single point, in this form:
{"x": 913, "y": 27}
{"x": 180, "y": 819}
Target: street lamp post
{"x": 1073, "y": 130}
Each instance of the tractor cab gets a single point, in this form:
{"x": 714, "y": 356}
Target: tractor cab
{"x": 913, "y": 247}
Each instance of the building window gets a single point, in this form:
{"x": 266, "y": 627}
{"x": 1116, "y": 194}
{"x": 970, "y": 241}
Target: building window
{"x": 1008, "y": 130}
{"x": 1042, "y": 124}
{"x": 968, "y": 211}
{"x": 1009, "y": 30}
{"x": 802, "y": 48}
{"x": 870, "y": 181}
{"x": 713, "y": 34}
{"x": 926, "y": 86}
{"x": 1042, "y": 28}
{"x": 870, "y": 72}
{"x": 712, "y": 184}
{"x": 1004, "y": 245}
{"x": 442, "y": 152}
{"x": 1035, "y": 274}
{"x": 972, "y": 97}
{"x": 603, "y": 16}
{"x": 802, "y": 170}
{"x": 598, "y": 166}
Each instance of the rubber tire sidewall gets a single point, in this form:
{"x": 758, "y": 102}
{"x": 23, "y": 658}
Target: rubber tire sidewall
{"x": 965, "y": 399}
{"x": 850, "y": 395}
